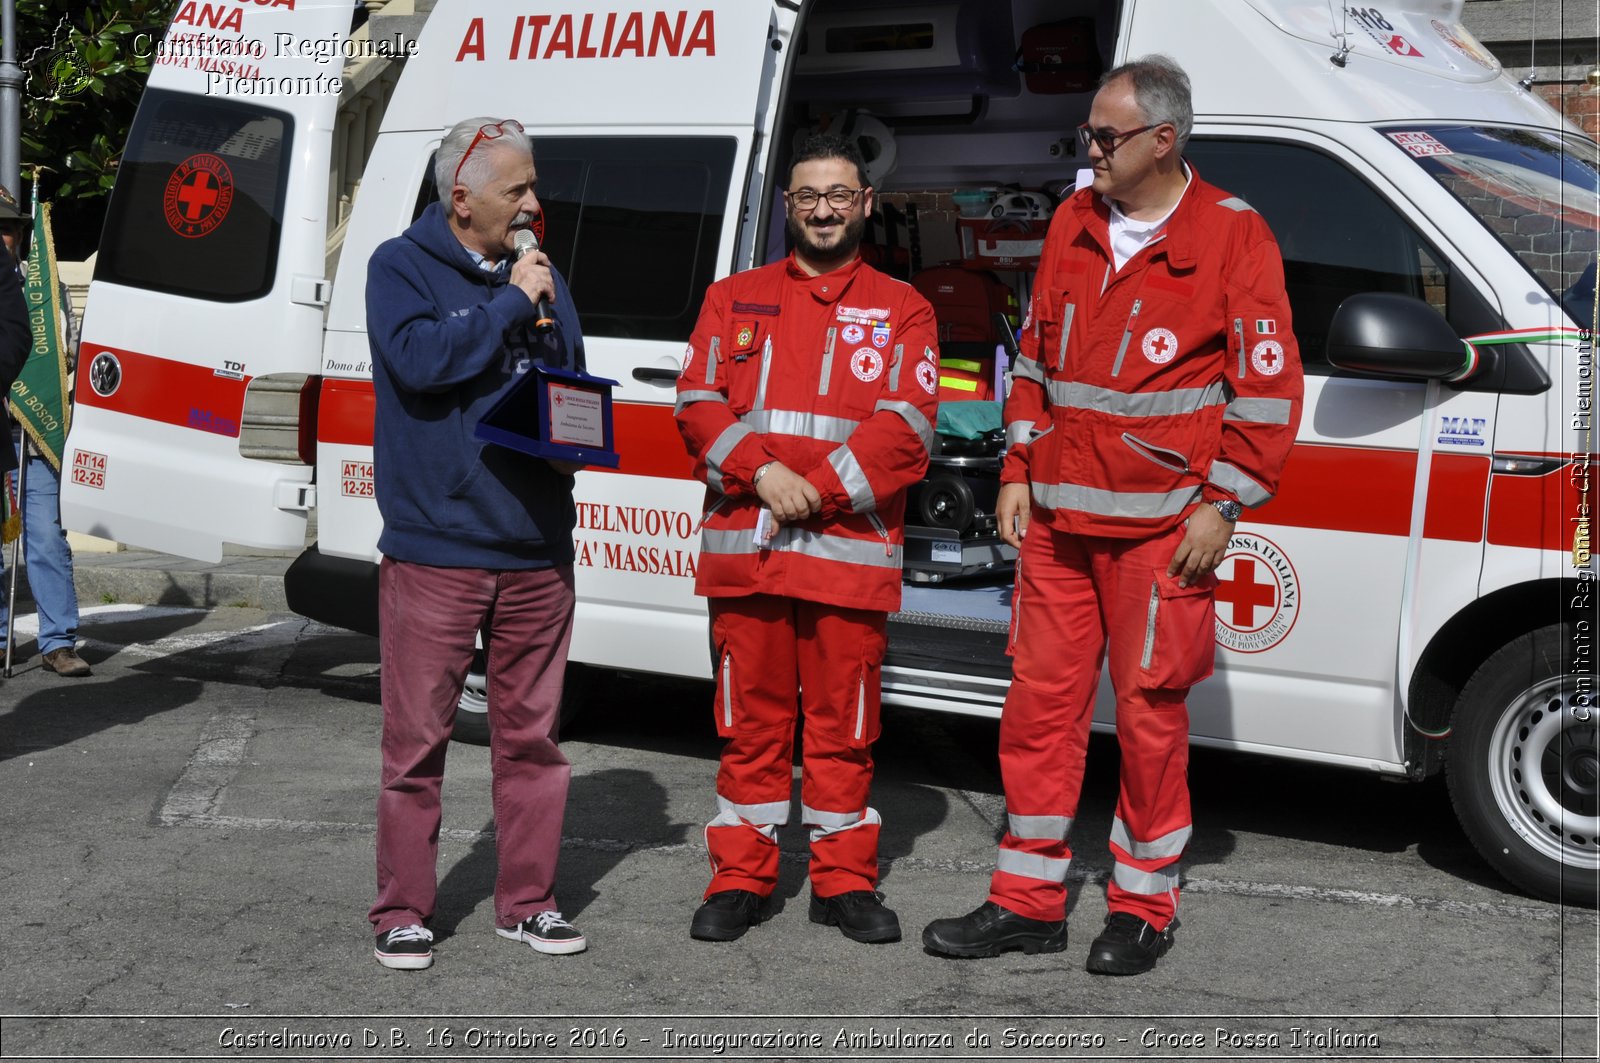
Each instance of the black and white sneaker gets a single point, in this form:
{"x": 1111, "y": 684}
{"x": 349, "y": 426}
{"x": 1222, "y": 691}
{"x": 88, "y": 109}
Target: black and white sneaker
{"x": 546, "y": 932}
{"x": 405, "y": 948}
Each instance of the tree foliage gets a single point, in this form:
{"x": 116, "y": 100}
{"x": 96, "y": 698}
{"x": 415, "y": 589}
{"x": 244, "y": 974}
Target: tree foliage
{"x": 100, "y": 53}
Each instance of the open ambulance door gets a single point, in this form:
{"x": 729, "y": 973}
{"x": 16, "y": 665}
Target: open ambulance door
{"x": 205, "y": 314}
{"x": 652, "y": 136}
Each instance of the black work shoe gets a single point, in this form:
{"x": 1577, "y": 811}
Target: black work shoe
{"x": 860, "y": 914}
{"x": 1128, "y": 945}
{"x": 726, "y": 915}
{"x": 991, "y": 930}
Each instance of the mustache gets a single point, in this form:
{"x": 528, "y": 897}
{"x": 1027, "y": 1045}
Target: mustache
{"x": 522, "y": 221}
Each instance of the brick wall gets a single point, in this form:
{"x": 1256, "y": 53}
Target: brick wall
{"x": 1579, "y": 101}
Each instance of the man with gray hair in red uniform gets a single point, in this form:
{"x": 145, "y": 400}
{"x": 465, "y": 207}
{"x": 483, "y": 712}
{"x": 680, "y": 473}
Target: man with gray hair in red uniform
{"x": 807, "y": 403}
{"x": 1157, "y": 393}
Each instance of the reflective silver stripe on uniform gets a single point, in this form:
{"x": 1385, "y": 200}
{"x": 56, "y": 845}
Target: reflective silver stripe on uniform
{"x": 729, "y": 818}
{"x": 1025, "y": 368}
{"x": 894, "y": 368}
{"x": 731, "y": 541}
{"x": 1019, "y": 432}
{"x": 1235, "y": 203}
{"x": 853, "y": 478}
{"x": 861, "y": 706}
{"x": 1259, "y": 411}
{"x": 1232, "y": 478}
{"x": 1053, "y": 828}
{"x": 1114, "y": 503}
{"x": 868, "y": 818}
{"x": 817, "y": 818}
{"x": 1148, "y": 883}
{"x": 1032, "y": 865}
{"x": 1067, "y": 313}
{"x": 911, "y": 416}
{"x": 687, "y": 398}
{"x": 1168, "y": 845}
{"x": 719, "y": 450}
{"x": 1073, "y": 395}
{"x": 827, "y": 361}
{"x": 766, "y": 812}
{"x": 766, "y": 370}
{"x": 797, "y": 423}
{"x": 713, "y": 355}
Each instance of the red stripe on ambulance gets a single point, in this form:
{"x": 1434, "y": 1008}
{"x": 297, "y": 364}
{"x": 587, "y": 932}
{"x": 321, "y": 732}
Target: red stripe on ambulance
{"x": 160, "y": 389}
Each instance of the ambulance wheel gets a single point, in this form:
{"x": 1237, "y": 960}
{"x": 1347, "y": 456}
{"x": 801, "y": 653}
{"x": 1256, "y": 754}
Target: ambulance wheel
{"x": 1524, "y": 767}
{"x": 946, "y": 501}
{"x": 472, "y": 708}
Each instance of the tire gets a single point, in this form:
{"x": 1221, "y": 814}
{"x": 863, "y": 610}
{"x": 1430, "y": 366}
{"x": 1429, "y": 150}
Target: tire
{"x": 472, "y": 708}
{"x": 946, "y": 502}
{"x": 1523, "y": 768}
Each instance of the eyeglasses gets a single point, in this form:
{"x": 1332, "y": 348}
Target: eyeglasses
{"x": 1109, "y": 140}
{"x": 838, "y": 198}
{"x": 493, "y": 131}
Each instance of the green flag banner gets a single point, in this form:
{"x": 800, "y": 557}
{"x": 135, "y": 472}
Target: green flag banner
{"x": 39, "y": 394}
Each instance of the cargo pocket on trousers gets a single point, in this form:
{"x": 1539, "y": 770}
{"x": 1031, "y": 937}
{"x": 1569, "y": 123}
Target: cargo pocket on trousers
{"x": 862, "y": 724}
{"x": 1180, "y": 633}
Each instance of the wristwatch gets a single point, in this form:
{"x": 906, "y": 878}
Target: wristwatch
{"x": 1229, "y": 509}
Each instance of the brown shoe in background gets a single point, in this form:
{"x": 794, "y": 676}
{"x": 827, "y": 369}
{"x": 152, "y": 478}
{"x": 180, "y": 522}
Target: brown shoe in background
{"x": 66, "y": 661}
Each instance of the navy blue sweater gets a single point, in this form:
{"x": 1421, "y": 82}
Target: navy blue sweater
{"x": 448, "y": 338}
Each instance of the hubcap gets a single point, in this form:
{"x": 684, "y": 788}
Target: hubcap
{"x": 1544, "y": 768}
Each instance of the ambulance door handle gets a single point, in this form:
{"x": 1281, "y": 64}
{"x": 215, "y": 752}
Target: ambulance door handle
{"x": 647, "y": 374}
{"x": 309, "y": 291}
{"x": 294, "y": 495}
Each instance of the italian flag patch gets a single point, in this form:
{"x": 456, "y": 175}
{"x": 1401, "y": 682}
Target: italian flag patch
{"x": 1266, "y": 326}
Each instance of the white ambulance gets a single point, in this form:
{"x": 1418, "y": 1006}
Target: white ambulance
{"x": 1418, "y": 597}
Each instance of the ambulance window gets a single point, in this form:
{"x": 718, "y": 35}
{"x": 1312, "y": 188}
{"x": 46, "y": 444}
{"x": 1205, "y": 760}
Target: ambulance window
{"x": 1337, "y": 234}
{"x": 198, "y": 204}
{"x": 633, "y": 223}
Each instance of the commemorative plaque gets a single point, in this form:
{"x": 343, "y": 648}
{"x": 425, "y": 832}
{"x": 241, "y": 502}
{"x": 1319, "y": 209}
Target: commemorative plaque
{"x": 555, "y": 413}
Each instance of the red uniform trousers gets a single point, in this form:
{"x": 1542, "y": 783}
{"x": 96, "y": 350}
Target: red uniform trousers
{"x": 777, "y": 656}
{"x": 1078, "y": 598}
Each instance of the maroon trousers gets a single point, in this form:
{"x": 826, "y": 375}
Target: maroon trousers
{"x": 428, "y": 619}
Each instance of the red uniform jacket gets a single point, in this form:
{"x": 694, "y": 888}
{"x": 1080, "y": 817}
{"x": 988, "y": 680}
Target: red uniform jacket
{"x": 835, "y": 377}
{"x": 1142, "y": 391}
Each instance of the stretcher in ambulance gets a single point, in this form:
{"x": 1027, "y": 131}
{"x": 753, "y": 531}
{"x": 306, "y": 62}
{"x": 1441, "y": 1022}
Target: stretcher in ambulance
{"x": 1419, "y": 596}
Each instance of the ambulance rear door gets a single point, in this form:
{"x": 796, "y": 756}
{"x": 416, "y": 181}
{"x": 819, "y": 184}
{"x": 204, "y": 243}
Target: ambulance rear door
{"x": 204, "y": 318}
{"x": 651, "y": 128}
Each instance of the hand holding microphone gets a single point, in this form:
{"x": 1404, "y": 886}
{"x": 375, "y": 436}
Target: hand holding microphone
{"x": 525, "y": 242}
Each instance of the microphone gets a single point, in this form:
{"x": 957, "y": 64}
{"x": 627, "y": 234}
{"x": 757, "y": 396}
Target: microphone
{"x": 523, "y": 241}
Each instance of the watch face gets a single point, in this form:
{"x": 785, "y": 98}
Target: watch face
{"x": 1229, "y": 510}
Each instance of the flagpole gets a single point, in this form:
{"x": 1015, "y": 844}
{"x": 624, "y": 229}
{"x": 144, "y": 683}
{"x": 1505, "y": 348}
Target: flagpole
{"x": 16, "y": 549}
{"x": 11, "y": 81}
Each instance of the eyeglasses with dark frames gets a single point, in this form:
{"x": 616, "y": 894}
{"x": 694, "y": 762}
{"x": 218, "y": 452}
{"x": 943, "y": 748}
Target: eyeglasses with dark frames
{"x": 492, "y": 131}
{"x": 806, "y": 199}
{"x": 1109, "y": 139}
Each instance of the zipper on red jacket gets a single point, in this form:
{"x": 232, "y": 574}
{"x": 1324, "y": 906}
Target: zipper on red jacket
{"x": 1067, "y": 313}
{"x": 1127, "y": 336}
{"x": 1238, "y": 330}
{"x": 827, "y": 361}
{"x": 883, "y": 533}
{"x": 766, "y": 370}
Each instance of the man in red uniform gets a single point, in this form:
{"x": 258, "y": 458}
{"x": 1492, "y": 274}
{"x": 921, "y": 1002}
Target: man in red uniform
{"x": 807, "y": 402}
{"x": 1158, "y": 391}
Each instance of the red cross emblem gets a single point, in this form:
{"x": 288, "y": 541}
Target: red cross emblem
{"x": 198, "y": 195}
{"x": 1160, "y": 345}
{"x": 1242, "y": 592}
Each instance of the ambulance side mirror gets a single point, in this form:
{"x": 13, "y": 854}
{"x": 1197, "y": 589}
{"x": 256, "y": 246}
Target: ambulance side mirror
{"x": 1384, "y": 334}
